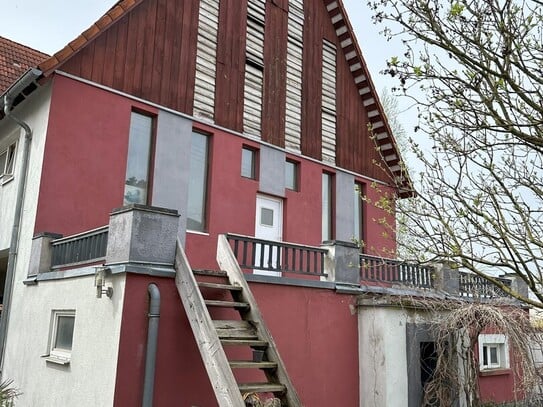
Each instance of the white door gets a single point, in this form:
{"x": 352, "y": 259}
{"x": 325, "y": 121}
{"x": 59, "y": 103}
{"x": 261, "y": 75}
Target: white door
{"x": 268, "y": 226}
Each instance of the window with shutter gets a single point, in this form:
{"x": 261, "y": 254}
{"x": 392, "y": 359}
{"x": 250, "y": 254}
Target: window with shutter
{"x": 328, "y": 102}
{"x": 206, "y": 58}
{"x": 293, "y": 112}
{"x": 254, "y": 68}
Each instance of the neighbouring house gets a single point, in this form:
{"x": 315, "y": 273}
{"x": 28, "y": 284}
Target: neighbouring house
{"x": 188, "y": 178}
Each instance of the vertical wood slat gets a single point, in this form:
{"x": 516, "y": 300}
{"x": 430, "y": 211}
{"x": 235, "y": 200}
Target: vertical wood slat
{"x": 206, "y": 59}
{"x": 293, "y": 110}
{"x": 254, "y": 68}
{"x": 231, "y": 64}
{"x": 328, "y": 126}
{"x": 275, "y": 62}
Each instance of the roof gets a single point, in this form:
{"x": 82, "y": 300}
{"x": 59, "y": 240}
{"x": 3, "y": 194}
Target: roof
{"x": 115, "y": 13}
{"x": 15, "y": 60}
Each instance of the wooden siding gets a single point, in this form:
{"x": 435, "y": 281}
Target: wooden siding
{"x": 231, "y": 64}
{"x": 293, "y": 111}
{"x": 206, "y": 59}
{"x": 328, "y": 117}
{"x": 275, "y": 71}
{"x": 149, "y": 53}
{"x": 254, "y": 68}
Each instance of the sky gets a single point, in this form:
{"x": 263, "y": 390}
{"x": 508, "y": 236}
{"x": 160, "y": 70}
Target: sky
{"x": 49, "y": 25}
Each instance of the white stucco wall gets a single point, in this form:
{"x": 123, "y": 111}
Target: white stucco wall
{"x": 89, "y": 379}
{"x": 35, "y": 112}
{"x": 383, "y": 357}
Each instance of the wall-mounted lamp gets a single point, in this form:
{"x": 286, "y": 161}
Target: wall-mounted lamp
{"x": 100, "y": 282}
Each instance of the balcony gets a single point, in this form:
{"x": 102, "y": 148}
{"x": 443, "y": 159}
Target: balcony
{"x": 144, "y": 237}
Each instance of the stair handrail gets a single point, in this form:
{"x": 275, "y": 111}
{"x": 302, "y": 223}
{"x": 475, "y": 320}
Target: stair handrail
{"x": 216, "y": 363}
{"x": 228, "y": 263}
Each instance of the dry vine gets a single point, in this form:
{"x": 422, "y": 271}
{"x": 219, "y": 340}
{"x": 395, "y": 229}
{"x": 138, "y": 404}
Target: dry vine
{"x": 456, "y": 376}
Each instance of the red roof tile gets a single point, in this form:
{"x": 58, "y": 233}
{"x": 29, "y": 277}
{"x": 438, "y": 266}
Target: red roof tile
{"x": 15, "y": 60}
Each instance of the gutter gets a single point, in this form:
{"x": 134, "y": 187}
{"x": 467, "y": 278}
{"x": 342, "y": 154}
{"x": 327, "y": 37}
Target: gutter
{"x": 152, "y": 341}
{"x": 6, "y": 102}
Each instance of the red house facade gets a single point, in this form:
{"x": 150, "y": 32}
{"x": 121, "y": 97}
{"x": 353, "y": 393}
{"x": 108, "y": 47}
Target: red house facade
{"x": 255, "y": 119}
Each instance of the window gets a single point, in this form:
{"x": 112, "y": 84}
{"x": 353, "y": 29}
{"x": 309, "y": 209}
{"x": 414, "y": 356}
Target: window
{"x": 327, "y": 206}
{"x": 328, "y": 111}
{"x": 358, "y": 229}
{"x": 61, "y": 337}
{"x": 293, "y": 105}
{"x": 248, "y": 163}
{"x": 493, "y": 352}
{"x": 7, "y": 163}
{"x": 206, "y": 59}
{"x": 138, "y": 162}
{"x": 291, "y": 175}
{"x": 254, "y": 67}
{"x": 196, "y": 209}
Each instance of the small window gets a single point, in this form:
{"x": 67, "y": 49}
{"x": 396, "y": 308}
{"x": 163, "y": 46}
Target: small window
{"x": 266, "y": 217}
{"x": 7, "y": 163}
{"x": 493, "y": 352}
{"x": 61, "y": 337}
{"x": 248, "y": 163}
{"x": 291, "y": 175}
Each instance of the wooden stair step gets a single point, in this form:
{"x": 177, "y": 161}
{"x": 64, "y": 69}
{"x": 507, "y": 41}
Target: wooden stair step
{"x": 255, "y": 343}
{"x": 249, "y": 364}
{"x": 261, "y": 387}
{"x": 205, "y": 284}
{"x": 226, "y": 304}
{"x": 213, "y": 273}
{"x": 235, "y": 329}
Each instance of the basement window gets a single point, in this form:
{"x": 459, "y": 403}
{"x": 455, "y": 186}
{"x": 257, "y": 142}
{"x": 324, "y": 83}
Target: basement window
{"x": 7, "y": 163}
{"x": 61, "y": 337}
{"x": 493, "y": 352}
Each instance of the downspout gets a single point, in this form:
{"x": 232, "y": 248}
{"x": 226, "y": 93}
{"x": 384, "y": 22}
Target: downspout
{"x": 152, "y": 339}
{"x": 19, "y": 86}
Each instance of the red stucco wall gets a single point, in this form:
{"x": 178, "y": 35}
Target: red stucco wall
{"x": 84, "y": 163}
{"x": 232, "y": 204}
{"x": 315, "y": 331}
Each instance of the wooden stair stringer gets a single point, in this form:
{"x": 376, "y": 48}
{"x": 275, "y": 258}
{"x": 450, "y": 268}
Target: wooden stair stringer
{"x": 216, "y": 363}
{"x": 227, "y": 262}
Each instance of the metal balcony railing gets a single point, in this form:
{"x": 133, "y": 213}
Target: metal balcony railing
{"x": 280, "y": 257}
{"x": 377, "y": 269}
{"x": 472, "y": 285}
{"x": 87, "y": 247}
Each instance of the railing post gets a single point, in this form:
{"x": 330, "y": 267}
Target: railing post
{"x": 518, "y": 285}
{"x": 342, "y": 263}
{"x": 143, "y": 235}
{"x": 447, "y": 279}
{"x": 41, "y": 253}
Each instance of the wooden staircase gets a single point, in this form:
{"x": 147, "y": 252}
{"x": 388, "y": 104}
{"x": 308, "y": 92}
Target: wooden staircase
{"x": 230, "y": 331}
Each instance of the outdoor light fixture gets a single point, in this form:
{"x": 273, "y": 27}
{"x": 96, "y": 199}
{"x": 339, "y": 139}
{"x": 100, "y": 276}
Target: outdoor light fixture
{"x": 100, "y": 282}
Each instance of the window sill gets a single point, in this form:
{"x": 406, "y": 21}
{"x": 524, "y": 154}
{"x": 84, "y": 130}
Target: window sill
{"x": 499, "y": 371}
{"x": 56, "y": 359}
{"x": 5, "y": 179}
{"x": 197, "y": 232}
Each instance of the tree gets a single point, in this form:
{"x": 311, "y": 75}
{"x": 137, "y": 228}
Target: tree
{"x": 475, "y": 70}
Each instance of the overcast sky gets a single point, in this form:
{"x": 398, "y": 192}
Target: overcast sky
{"x": 49, "y": 25}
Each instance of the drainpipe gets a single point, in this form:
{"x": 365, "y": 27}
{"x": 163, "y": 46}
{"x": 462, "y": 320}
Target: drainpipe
{"x": 17, "y": 88}
{"x": 152, "y": 339}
